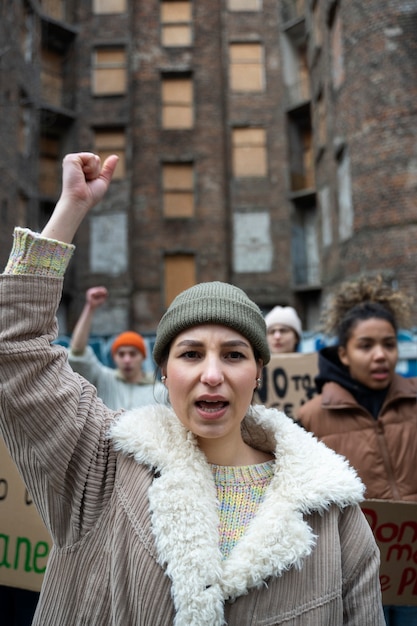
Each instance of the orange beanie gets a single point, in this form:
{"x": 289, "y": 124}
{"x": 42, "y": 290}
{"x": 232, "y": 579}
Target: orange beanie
{"x": 129, "y": 338}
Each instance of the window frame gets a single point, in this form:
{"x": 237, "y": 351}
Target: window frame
{"x": 170, "y": 108}
{"x": 246, "y": 146}
{"x": 241, "y": 64}
{"x": 104, "y": 150}
{"x": 185, "y": 24}
{"x": 107, "y": 66}
{"x": 177, "y": 190}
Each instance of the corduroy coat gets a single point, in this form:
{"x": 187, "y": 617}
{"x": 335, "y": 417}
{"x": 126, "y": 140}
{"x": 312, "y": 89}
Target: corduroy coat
{"x": 130, "y": 502}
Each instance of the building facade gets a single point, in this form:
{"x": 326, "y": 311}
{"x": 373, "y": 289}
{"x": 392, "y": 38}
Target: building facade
{"x": 271, "y": 144}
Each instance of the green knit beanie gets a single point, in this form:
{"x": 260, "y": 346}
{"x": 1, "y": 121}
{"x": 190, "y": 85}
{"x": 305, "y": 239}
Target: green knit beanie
{"x": 212, "y": 303}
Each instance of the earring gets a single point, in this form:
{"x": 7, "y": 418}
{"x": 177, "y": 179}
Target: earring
{"x": 258, "y": 382}
{"x": 163, "y": 379}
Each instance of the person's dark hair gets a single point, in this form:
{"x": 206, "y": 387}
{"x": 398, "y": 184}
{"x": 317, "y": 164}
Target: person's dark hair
{"x": 361, "y": 300}
{"x": 360, "y": 313}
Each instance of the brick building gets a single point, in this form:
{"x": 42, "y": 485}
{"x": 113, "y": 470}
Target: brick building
{"x": 268, "y": 144}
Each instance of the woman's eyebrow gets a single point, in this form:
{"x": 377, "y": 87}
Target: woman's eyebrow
{"x": 190, "y": 342}
{"x": 236, "y": 342}
{"x": 229, "y": 343}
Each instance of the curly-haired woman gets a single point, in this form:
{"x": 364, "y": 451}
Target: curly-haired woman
{"x": 365, "y": 410}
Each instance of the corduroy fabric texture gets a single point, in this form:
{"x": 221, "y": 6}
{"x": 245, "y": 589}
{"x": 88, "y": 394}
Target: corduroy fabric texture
{"x": 212, "y": 303}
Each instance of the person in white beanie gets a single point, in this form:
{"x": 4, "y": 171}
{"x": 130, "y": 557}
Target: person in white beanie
{"x": 284, "y": 329}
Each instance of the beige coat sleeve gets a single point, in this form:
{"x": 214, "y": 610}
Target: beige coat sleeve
{"x": 51, "y": 419}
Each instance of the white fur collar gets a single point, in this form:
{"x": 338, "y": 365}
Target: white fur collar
{"x": 308, "y": 477}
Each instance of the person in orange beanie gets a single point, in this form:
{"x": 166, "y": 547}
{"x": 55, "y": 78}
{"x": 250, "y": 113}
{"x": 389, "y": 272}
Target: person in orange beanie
{"x": 128, "y": 386}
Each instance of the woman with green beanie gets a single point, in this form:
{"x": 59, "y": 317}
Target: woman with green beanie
{"x": 202, "y": 512}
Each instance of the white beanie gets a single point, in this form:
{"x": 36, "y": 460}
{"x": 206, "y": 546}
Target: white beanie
{"x": 285, "y": 315}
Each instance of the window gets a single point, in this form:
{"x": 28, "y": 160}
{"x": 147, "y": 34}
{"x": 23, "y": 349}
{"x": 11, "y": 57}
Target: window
{"x": 295, "y": 70}
{"x": 49, "y": 164}
{"x": 109, "y": 71}
{"x": 52, "y": 79}
{"x": 176, "y": 23}
{"x": 179, "y": 274}
{"x": 178, "y": 189}
{"x": 112, "y": 141}
{"x": 108, "y": 243}
{"x": 244, "y": 5}
{"x": 177, "y": 102}
{"x": 246, "y": 67}
{"x": 109, "y": 6}
{"x": 54, "y": 8}
{"x": 301, "y": 155}
{"x": 252, "y": 242}
{"x": 249, "y": 152}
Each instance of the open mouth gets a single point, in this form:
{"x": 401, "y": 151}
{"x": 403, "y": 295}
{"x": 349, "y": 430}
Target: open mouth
{"x": 211, "y": 407}
{"x": 380, "y": 374}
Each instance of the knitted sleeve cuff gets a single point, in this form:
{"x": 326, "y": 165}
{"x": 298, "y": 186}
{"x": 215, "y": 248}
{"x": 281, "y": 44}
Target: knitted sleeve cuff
{"x": 33, "y": 254}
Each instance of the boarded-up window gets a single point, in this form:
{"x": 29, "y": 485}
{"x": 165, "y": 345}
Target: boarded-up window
{"x": 49, "y": 166}
{"x": 249, "y": 152}
{"x": 179, "y": 274}
{"x": 54, "y": 8}
{"x": 109, "y": 6}
{"x": 301, "y": 154}
{"x": 52, "y": 77}
{"x": 176, "y": 23}
{"x": 109, "y": 71}
{"x": 112, "y": 141}
{"x": 244, "y": 5}
{"x": 178, "y": 189}
{"x": 177, "y": 102}
{"x": 246, "y": 67}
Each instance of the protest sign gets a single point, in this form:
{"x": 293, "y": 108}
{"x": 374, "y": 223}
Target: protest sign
{"x": 24, "y": 541}
{"x": 394, "y": 525}
{"x": 288, "y": 382}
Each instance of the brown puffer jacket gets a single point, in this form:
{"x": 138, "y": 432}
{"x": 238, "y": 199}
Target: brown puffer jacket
{"x": 383, "y": 450}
